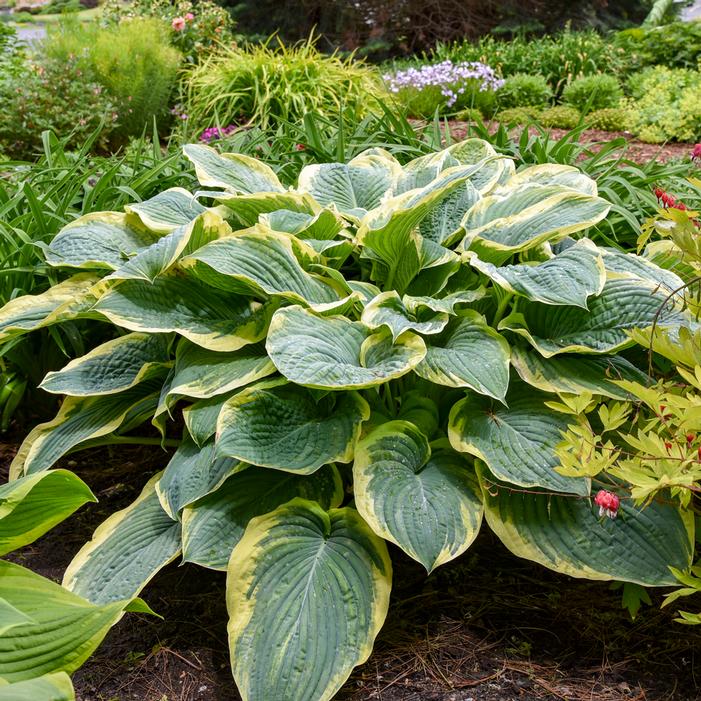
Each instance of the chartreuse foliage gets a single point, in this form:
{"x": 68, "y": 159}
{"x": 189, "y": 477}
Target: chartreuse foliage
{"x": 385, "y": 353}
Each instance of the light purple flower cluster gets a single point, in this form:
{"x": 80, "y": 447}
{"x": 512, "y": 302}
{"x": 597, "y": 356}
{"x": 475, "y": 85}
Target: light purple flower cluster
{"x": 215, "y": 133}
{"x": 450, "y": 77}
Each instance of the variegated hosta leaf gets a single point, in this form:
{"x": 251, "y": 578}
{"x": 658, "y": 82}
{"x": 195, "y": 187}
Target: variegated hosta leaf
{"x": 566, "y": 534}
{"x": 492, "y": 166}
{"x": 422, "y": 171}
{"x": 325, "y": 225}
{"x": 178, "y": 303}
{"x": 50, "y": 687}
{"x": 469, "y": 353}
{"x": 246, "y": 209}
{"x": 213, "y": 525}
{"x": 167, "y": 211}
{"x": 201, "y": 373}
{"x": 307, "y": 593}
{"x": 61, "y": 302}
{"x": 529, "y": 216}
{"x": 665, "y": 254}
{"x": 32, "y": 505}
{"x": 79, "y": 420}
{"x": 111, "y": 367}
{"x": 629, "y": 264}
{"x": 101, "y": 240}
{"x": 555, "y": 174}
{"x": 125, "y": 551}
{"x": 336, "y": 353}
{"x": 388, "y": 231}
{"x": 231, "y": 171}
{"x": 517, "y": 441}
{"x": 570, "y": 278}
{"x": 437, "y": 265}
{"x": 623, "y": 305}
{"x": 355, "y": 187}
{"x": 164, "y": 253}
{"x": 443, "y": 223}
{"x": 419, "y": 410}
{"x": 201, "y": 417}
{"x": 62, "y": 630}
{"x": 446, "y": 303}
{"x": 574, "y": 374}
{"x": 282, "y": 426}
{"x": 424, "y": 502}
{"x": 388, "y": 309}
{"x": 193, "y": 472}
{"x": 264, "y": 263}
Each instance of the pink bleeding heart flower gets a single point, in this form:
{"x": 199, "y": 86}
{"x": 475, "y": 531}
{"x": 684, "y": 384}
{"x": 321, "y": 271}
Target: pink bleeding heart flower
{"x": 608, "y": 503}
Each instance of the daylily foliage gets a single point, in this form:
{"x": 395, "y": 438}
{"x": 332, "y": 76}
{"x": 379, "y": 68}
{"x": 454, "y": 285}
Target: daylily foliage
{"x": 385, "y": 353}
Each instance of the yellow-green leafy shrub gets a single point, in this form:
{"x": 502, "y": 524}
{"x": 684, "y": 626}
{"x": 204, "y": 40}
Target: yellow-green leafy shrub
{"x": 524, "y": 90}
{"x": 609, "y": 119}
{"x": 518, "y": 115}
{"x": 593, "y": 92}
{"x": 560, "y": 117}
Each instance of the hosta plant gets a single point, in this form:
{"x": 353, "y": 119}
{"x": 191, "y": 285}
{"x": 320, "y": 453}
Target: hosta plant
{"x": 382, "y": 354}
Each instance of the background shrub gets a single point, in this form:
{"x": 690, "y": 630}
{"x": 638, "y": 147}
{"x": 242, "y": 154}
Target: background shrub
{"x": 272, "y": 82}
{"x": 609, "y": 119}
{"x": 675, "y": 45}
{"x": 55, "y": 95}
{"x": 134, "y": 61}
{"x": 559, "y": 58}
{"x": 524, "y": 90}
{"x": 518, "y": 115}
{"x": 560, "y": 117}
{"x": 593, "y": 92}
{"x": 665, "y": 104}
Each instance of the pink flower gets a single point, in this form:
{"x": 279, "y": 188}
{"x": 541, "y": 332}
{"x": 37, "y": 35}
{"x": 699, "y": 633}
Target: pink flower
{"x": 189, "y": 16}
{"x": 696, "y": 153}
{"x": 607, "y": 502}
{"x": 178, "y": 24}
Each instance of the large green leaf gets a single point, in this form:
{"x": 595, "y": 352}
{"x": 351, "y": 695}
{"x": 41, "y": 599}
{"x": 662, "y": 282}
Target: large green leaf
{"x": 282, "y": 426}
{"x": 62, "y": 630}
{"x": 554, "y": 174}
{"x": 264, "y": 263}
{"x": 111, "y": 367}
{"x": 425, "y": 502}
{"x": 245, "y": 210}
{"x": 355, "y": 187}
{"x": 193, "y": 472}
{"x": 623, "y": 305}
{"x": 492, "y": 167}
{"x": 574, "y": 374}
{"x": 527, "y": 216}
{"x": 167, "y": 211}
{"x": 32, "y": 505}
{"x": 307, "y": 592}
{"x": 125, "y": 551}
{"x": 201, "y": 373}
{"x": 101, "y": 240}
{"x": 201, "y": 417}
{"x": 565, "y": 534}
{"x": 388, "y": 233}
{"x": 59, "y": 303}
{"x": 50, "y": 687}
{"x": 571, "y": 277}
{"x": 638, "y": 266}
{"x": 443, "y": 223}
{"x": 469, "y": 353}
{"x": 178, "y": 303}
{"x": 213, "y": 525}
{"x": 232, "y": 171}
{"x": 78, "y": 420}
{"x": 517, "y": 441}
{"x": 163, "y": 254}
{"x": 336, "y": 353}
{"x": 389, "y": 309}
{"x": 324, "y": 225}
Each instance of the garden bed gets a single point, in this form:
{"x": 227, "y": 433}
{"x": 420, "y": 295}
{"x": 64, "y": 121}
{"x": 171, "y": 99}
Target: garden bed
{"x": 488, "y": 627}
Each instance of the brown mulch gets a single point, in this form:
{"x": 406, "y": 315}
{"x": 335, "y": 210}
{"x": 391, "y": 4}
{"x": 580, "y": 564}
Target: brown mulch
{"x": 489, "y": 627}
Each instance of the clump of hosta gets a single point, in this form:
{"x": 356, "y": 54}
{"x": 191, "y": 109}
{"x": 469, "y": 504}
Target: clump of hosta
{"x": 384, "y": 353}
{"x": 444, "y": 86}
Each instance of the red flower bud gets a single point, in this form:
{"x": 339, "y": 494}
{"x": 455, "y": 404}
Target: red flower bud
{"x": 668, "y": 445}
{"x": 608, "y": 503}
{"x": 690, "y": 437}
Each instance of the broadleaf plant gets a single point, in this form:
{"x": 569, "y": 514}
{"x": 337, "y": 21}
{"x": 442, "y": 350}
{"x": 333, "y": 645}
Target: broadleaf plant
{"x": 382, "y": 354}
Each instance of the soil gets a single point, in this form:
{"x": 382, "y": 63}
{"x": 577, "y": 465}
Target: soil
{"x": 489, "y": 627}
{"x": 636, "y": 151}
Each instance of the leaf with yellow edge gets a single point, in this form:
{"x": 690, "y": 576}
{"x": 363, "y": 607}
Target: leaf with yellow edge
{"x": 307, "y": 593}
